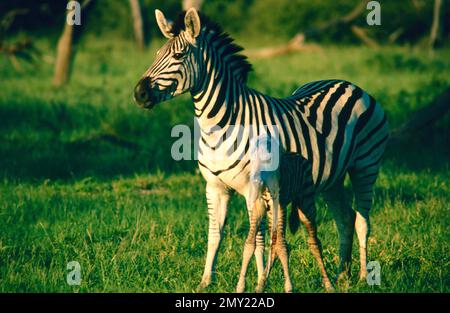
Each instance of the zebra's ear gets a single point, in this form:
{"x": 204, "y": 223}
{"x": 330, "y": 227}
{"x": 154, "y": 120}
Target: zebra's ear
{"x": 192, "y": 23}
{"x": 163, "y": 24}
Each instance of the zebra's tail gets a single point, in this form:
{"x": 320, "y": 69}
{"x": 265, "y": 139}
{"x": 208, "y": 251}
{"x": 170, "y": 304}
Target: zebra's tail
{"x": 294, "y": 220}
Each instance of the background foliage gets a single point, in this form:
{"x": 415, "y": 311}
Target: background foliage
{"x": 270, "y": 19}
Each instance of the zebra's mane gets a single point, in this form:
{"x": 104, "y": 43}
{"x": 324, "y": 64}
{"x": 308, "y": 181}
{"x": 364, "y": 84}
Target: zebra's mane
{"x": 239, "y": 64}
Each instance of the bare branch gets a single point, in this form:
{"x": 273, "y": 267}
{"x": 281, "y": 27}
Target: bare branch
{"x": 362, "y": 35}
{"x": 296, "y": 44}
{"x": 395, "y": 34}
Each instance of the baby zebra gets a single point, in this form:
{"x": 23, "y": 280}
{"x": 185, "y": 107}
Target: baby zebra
{"x": 274, "y": 186}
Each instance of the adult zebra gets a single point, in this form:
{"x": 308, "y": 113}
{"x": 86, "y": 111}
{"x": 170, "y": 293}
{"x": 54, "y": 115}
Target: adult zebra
{"x": 334, "y": 124}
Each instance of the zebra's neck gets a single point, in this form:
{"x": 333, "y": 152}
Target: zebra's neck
{"x": 220, "y": 98}
{"x": 230, "y": 115}
{"x": 219, "y": 89}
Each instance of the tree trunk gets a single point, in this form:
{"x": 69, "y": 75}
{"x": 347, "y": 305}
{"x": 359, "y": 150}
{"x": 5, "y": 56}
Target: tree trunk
{"x": 137, "y": 23}
{"x": 187, "y": 4}
{"x": 64, "y": 52}
{"x": 434, "y": 32}
{"x": 63, "y": 56}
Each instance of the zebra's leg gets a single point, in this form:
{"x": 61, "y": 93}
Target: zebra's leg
{"x": 259, "y": 248}
{"x": 271, "y": 257}
{"x": 281, "y": 246}
{"x": 362, "y": 226}
{"x": 278, "y": 248}
{"x": 363, "y": 181}
{"x": 257, "y": 213}
{"x": 344, "y": 217}
{"x": 307, "y": 216}
{"x": 217, "y": 199}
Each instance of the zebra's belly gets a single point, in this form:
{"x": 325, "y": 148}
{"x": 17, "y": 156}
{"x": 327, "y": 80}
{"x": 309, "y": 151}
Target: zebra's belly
{"x": 236, "y": 179}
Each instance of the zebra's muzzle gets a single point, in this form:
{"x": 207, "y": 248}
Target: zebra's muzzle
{"x": 143, "y": 94}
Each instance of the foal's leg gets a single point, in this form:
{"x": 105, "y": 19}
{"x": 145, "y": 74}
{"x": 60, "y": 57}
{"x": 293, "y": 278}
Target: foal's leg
{"x": 259, "y": 249}
{"x": 256, "y": 215}
{"x": 307, "y": 216}
{"x": 272, "y": 250}
{"x": 278, "y": 247}
{"x": 345, "y": 222}
{"x": 281, "y": 247}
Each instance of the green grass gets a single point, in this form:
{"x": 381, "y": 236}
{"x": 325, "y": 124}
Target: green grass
{"x": 136, "y": 220}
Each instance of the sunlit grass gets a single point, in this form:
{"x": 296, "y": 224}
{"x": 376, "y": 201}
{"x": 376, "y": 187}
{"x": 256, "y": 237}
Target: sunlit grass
{"x": 136, "y": 220}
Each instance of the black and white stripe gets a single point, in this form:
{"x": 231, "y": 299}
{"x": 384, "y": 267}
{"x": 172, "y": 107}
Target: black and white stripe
{"x": 332, "y": 124}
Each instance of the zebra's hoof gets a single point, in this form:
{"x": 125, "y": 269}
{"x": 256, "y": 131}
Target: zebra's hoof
{"x": 343, "y": 282}
{"x": 260, "y": 285}
{"x": 206, "y": 281}
{"x": 362, "y": 276}
{"x": 328, "y": 285}
{"x": 329, "y": 288}
{"x": 259, "y": 288}
{"x": 288, "y": 287}
{"x": 240, "y": 288}
{"x": 343, "y": 277}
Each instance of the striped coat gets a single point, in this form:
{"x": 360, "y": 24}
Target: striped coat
{"x": 333, "y": 124}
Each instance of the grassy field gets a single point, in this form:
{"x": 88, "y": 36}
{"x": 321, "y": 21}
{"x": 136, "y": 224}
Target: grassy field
{"x": 86, "y": 175}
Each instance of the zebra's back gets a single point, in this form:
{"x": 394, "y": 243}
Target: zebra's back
{"x": 345, "y": 128}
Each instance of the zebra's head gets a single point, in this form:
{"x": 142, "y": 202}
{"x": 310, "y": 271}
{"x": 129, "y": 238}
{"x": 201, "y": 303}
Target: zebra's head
{"x": 174, "y": 69}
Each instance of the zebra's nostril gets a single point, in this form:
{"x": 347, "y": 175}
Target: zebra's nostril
{"x": 142, "y": 92}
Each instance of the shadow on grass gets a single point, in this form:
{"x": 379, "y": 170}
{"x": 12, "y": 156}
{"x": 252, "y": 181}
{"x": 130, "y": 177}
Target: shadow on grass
{"x": 427, "y": 149}
{"x": 67, "y": 160}
{"x": 55, "y": 141}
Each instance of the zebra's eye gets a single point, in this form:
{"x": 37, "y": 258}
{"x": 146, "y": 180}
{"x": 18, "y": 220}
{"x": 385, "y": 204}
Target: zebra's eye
{"x": 178, "y": 55}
